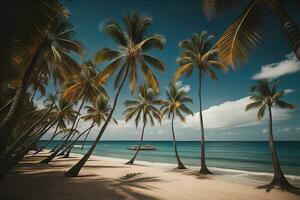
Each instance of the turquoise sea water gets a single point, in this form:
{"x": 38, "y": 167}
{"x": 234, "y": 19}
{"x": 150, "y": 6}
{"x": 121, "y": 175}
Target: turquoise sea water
{"x": 247, "y": 156}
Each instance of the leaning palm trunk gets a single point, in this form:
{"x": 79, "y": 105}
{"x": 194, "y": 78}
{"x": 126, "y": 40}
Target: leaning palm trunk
{"x": 70, "y": 147}
{"x": 64, "y": 150}
{"x": 6, "y": 105}
{"x": 11, "y": 161}
{"x": 44, "y": 146}
{"x": 204, "y": 169}
{"x": 58, "y": 143}
{"x": 131, "y": 161}
{"x": 20, "y": 140}
{"x": 291, "y": 30}
{"x": 179, "y": 163}
{"x": 50, "y": 157}
{"x": 77, "y": 167}
{"x": 9, "y": 122}
{"x": 279, "y": 178}
{"x": 88, "y": 133}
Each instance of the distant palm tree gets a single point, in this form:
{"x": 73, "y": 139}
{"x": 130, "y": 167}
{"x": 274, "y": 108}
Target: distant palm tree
{"x": 197, "y": 53}
{"x": 82, "y": 87}
{"x": 97, "y": 113}
{"x": 63, "y": 113}
{"x": 133, "y": 44}
{"x": 264, "y": 97}
{"x": 143, "y": 109}
{"x": 245, "y": 32}
{"x": 52, "y": 53}
{"x": 173, "y": 106}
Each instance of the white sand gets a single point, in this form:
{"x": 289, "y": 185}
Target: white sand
{"x": 109, "y": 178}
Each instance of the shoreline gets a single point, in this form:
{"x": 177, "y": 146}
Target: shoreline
{"x": 251, "y": 177}
{"x": 109, "y": 178}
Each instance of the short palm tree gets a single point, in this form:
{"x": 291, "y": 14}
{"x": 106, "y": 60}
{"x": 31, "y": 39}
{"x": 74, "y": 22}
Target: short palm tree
{"x": 142, "y": 110}
{"x": 175, "y": 105}
{"x": 53, "y": 53}
{"x": 97, "y": 113}
{"x": 265, "y": 97}
{"x": 197, "y": 53}
{"x": 244, "y": 33}
{"x": 133, "y": 44}
{"x": 63, "y": 113}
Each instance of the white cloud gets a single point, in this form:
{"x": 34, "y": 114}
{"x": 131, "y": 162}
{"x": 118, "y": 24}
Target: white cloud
{"x": 288, "y": 91}
{"x": 231, "y": 114}
{"x": 271, "y": 71}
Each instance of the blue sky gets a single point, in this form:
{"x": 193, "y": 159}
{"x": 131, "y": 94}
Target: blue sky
{"x": 177, "y": 20}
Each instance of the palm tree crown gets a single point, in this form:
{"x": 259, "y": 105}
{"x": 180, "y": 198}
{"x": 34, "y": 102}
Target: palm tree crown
{"x": 143, "y": 109}
{"x": 198, "y": 53}
{"x": 176, "y": 99}
{"x": 99, "y": 112}
{"x": 133, "y": 43}
{"x": 264, "y": 96}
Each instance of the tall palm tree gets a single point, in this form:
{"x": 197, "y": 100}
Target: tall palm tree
{"x": 244, "y": 33}
{"x": 173, "y": 106}
{"x": 39, "y": 84}
{"x": 197, "y": 53}
{"x": 53, "y": 53}
{"x": 264, "y": 97}
{"x": 82, "y": 87}
{"x": 133, "y": 44}
{"x": 143, "y": 109}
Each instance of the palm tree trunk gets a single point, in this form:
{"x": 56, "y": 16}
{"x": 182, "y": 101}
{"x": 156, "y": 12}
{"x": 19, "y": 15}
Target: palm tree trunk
{"x": 9, "y": 122}
{"x": 51, "y": 156}
{"x": 131, "y": 161}
{"x": 53, "y": 136}
{"x": 58, "y": 143}
{"x": 179, "y": 163}
{"x": 289, "y": 27}
{"x": 5, "y": 105}
{"x": 204, "y": 169}
{"x": 279, "y": 178}
{"x": 77, "y": 167}
{"x": 85, "y": 139}
{"x": 62, "y": 153}
{"x": 32, "y": 97}
{"x": 70, "y": 147}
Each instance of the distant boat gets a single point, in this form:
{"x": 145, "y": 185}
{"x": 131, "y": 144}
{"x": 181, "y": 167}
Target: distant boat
{"x": 143, "y": 147}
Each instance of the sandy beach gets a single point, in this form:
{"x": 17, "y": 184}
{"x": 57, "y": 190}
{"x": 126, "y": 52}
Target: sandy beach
{"x": 109, "y": 178}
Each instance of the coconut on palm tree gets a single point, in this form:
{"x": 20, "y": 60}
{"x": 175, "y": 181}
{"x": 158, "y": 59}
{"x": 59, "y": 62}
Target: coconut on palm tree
{"x": 142, "y": 110}
{"x": 198, "y": 54}
{"x": 133, "y": 43}
{"x": 175, "y": 105}
{"x": 265, "y": 97}
{"x": 245, "y": 32}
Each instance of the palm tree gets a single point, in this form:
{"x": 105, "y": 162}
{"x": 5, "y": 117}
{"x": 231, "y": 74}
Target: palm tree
{"x": 97, "y": 113}
{"x": 82, "y": 87}
{"x": 38, "y": 84}
{"x": 63, "y": 113}
{"x": 198, "y": 53}
{"x": 264, "y": 97}
{"x": 133, "y": 45}
{"x": 52, "y": 53}
{"x": 245, "y": 32}
{"x": 143, "y": 109}
{"x": 175, "y": 106}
